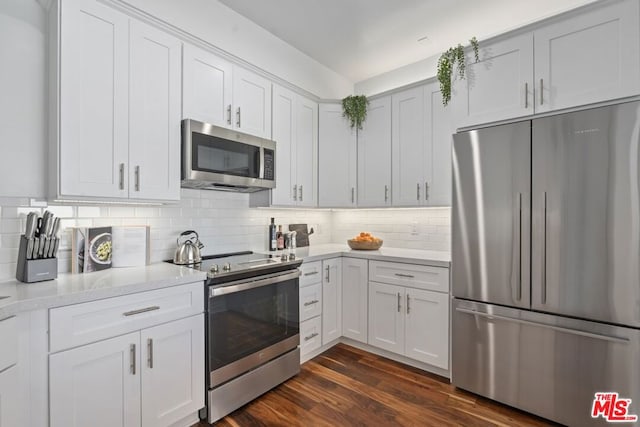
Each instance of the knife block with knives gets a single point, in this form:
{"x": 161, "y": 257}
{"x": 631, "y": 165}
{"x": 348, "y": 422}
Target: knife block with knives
{"x": 37, "y": 259}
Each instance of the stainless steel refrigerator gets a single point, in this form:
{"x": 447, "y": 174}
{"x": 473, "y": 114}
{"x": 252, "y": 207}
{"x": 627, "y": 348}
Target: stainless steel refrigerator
{"x": 546, "y": 261}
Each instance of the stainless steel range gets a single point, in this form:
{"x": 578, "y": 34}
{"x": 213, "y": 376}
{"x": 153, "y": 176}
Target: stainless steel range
{"x": 252, "y": 331}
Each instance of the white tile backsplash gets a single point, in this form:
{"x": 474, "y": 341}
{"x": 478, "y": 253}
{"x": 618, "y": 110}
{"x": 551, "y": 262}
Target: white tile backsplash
{"x": 225, "y": 223}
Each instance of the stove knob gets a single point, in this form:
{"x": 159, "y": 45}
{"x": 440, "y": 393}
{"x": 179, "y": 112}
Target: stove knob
{"x": 214, "y": 268}
{"x": 226, "y": 266}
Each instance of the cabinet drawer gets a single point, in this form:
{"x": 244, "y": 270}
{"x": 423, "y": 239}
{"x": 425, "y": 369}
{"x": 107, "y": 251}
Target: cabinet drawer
{"x": 310, "y": 335}
{"x": 84, "y": 323}
{"x": 310, "y": 301}
{"x": 8, "y": 343}
{"x": 411, "y": 275}
{"x": 311, "y": 273}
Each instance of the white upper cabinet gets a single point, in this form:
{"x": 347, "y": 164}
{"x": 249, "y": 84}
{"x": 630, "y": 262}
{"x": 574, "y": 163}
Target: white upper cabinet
{"x": 585, "y": 57}
{"x": 223, "y": 94}
{"x": 154, "y": 127}
{"x": 500, "y": 85}
{"x": 374, "y": 155}
{"x": 439, "y": 130}
{"x": 295, "y": 130}
{"x": 590, "y": 57}
{"x": 119, "y": 106}
{"x": 252, "y": 103}
{"x": 94, "y": 101}
{"x": 207, "y": 86}
{"x": 408, "y": 147}
{"x": 336, "y": 159}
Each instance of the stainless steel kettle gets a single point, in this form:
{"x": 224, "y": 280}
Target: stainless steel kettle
{"x": 188, "y": 250}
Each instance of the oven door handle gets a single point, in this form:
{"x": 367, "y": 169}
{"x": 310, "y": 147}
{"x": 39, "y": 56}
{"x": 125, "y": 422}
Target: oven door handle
{"x": 243, "y": 285}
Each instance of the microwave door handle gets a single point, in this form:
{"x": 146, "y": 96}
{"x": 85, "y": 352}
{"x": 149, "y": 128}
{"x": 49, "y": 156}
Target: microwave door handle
{"x": 261, "y": 164}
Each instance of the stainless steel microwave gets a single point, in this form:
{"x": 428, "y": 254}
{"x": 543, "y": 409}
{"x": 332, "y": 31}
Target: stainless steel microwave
{"x": 217, "y": 158}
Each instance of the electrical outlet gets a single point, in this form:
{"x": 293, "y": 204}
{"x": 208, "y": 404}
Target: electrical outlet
{"x": 414, "y": 228}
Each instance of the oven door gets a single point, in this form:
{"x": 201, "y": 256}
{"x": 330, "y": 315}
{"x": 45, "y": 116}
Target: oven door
{"x": 251, "y": 322}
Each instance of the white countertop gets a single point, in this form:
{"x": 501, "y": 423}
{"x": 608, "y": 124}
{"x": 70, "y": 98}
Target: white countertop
{"x": 75, "y": 288}
{"x": 413, "y": 256}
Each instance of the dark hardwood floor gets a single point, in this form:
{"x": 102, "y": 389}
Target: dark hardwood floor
{"x": 346, "y": 386}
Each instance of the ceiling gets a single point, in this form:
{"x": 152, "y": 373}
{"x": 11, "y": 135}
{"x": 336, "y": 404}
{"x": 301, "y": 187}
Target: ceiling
{"x": 363, "y": 38}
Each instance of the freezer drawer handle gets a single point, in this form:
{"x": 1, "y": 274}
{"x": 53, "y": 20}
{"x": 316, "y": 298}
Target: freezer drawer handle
{"x": 542, "y": 325}
{"x": 308, "y": 303}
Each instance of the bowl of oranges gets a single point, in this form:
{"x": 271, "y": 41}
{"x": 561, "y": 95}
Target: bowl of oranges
{"x": 365, "y": 242}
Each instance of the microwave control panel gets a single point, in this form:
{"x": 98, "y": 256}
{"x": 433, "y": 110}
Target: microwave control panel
{"x": 269, "y": 164}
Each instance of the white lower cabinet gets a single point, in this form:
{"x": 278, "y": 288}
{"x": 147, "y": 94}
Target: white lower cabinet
{"x": 409, "y": 321}
{"x": 154, "y": 377}
{"x": 331, "y": 300}
{"x": 9, "y": 398}
{"x": 149, "y": 371}
{"x": 354, "y": 298}
{"x": 311, "y": 306}
{"x": 310, "y": 336}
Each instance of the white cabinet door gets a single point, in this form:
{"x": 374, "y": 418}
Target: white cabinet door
{"x": 591, "y": 57}
{"x": 172, "y": 371}
{"x": 336, "y": 159}
{"x": 331, "y": 300}
{"x": 500, "y": 85}
{"x": 284, "y": 133}
{"x": 252, "y": 103}
{"x": 96, "y": 385}
{"x": 439, "y": 128}
{"x": 207, "y": 86}
{"x": 306, "y": 152}
{"x": 386, "y": 317}
{"x": 94, "y": 90}
{"x": 10, "y": 397}
{"x": 374, "y": 155}
{"x": 426, "y": 327}
{"x": 354, "y": 298}
{"x": 154, "y": 108}
{"x": 408, "y": 146}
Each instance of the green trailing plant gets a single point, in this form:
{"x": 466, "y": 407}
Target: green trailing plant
{"x": 453, "y": 57}
{"x": 354, "y": 108}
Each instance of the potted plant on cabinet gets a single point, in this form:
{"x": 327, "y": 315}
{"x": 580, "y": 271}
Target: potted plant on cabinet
{"x": 454, "y": 56}
{"x": 354, "y": 108}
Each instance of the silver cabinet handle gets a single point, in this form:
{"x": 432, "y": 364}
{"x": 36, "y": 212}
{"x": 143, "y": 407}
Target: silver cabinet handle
{"x": 518, "y": 245}
{"x": 150, "y": 353}
{"x": 311, "y": 273}
{"x": 229, "y": 114}
{"x": 137, "y": 177}
{"x": 238, "y": 117}
{"x": 295, "y": 193}
{"x": 408, "y": 304}
{"x": 308, "y": 303}
{"x": 132, "y": 356}
{"x": 310, "y": 337}
{"x": 399, "y": 302}
{"x": 328, "y": 273}
{"x": 300, "y": 190}
{"x": 353, "y": 195}
{"x": 541, "y": 91}
{"x": 544, "y": 250}
{"x": 612, "y": 338}
{"x": 386, "y": 193}
{"x": 121, "y": 185}
{"x": 418, "y": 191}
{"x": 426, "y": 190}
{"x": 141, "y": 310}
{"x": 408, "y": 276}
{"x": 526, "y": 95}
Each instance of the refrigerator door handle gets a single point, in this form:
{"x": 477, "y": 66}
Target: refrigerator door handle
{"x": 517, "y": 277}
{"x": 610, "y": 338}
{"x": 544, "y": 250}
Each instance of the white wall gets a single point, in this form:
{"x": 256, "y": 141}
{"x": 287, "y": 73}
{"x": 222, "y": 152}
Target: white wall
{"x": 215, "y": 23}
{"x": 402, "y": 76}
{"x": 23, "y": 100}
